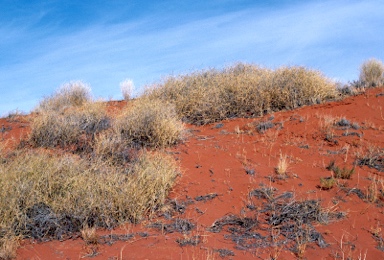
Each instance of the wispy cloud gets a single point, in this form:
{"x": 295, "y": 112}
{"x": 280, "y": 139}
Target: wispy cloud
{"x": 333, "y": 36}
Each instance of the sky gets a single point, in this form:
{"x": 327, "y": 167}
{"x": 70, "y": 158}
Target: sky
{"x": 45, "y": 44}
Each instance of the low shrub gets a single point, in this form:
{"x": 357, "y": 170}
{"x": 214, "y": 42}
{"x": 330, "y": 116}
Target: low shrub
{"x": 149, "y": 123}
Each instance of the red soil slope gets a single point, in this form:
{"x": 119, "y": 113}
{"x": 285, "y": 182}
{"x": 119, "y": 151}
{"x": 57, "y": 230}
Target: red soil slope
{"x": 223, "y": 163}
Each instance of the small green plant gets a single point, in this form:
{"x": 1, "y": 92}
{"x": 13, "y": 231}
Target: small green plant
{"x": 340, "y": 173}
{"x": 327, "y": 183}
{"x": 372, "y": 73}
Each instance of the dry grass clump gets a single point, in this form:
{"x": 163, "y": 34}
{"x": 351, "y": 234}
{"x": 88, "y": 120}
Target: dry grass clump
{"x": 111, "y": 148}
{"x": 212, "y": 95}
{"x": 74, "y": 93}
{"x": 282, "y": 167}
{"x": 8, "y": 247}
{"x": 150, "y": 123}
{"x": 293, "y": 87}
{"x": 51, "y": 196}
{"x": 372, "y": 73}
{"x": 327, "y": 183}
{"x": 242, "y": 90}
{"x": 51, "y": 128}
{"x": 89, "y": 235}
{"x": 340, "y": 173}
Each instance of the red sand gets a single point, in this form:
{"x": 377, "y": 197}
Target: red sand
{"x": 214, "y": 160}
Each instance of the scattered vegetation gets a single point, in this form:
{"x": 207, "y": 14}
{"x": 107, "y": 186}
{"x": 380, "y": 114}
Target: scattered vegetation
{"x": 110, "y": 178}
{"x": 281, "y": 222}
{"x": 373, "y": 158}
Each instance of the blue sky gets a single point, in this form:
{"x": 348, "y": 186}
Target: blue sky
{"x": 45, "y": 44}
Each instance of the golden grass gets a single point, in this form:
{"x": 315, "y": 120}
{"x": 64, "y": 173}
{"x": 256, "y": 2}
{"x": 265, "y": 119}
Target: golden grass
{"x": 8, "y": 247}
{"x": 51, "y": 128}
{"x": 149, "y": 122}
{"x": 74, "y": 93}
{"x": 79, "y": 191}
{"x": 89, "y": 235}
{"x": 282, "y": 166}
{"x": 327, "y": 183}
{"x": 372, "y": 73}
{"x": 242, "y": 90}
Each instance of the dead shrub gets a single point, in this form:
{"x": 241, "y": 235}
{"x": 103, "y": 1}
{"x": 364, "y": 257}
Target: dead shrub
{"x": 373, "y": 158}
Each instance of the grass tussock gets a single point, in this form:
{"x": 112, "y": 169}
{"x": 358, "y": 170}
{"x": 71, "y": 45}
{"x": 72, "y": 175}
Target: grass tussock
{"x": 149, "y": 123}
{"x": 74, "y": 93}
{"x": 8, "y": 247}
{"x": 242, "y": 90}
{"x": 372, "y": 73}
{"x": 52, "y": 196}
{"x": 51, "y": 128}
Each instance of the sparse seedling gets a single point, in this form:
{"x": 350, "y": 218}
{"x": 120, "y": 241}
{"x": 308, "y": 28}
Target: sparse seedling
{"x": 340, "y": 173}
{"x": 89, "y": 235}
{"x": 372, "y": 194}
{"x": 327, "y": 183}
{"x": 282, "y": 166}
